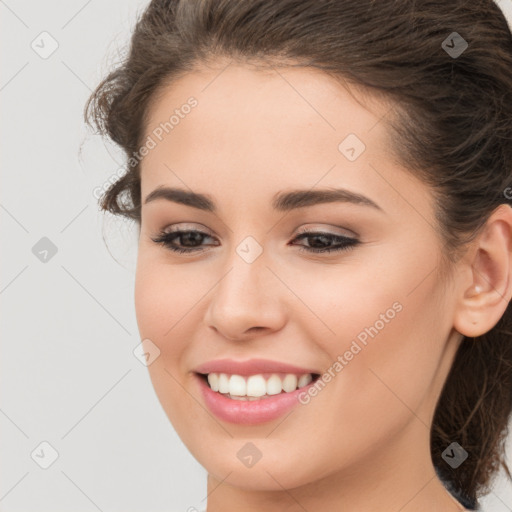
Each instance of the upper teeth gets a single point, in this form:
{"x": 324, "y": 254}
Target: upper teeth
{"x": 257, "y": 385}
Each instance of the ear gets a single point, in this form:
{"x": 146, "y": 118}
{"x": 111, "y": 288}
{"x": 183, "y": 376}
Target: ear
{"x": 486, "y": 280}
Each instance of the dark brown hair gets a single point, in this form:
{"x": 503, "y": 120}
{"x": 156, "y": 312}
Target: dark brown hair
{"x": 451, "y": 126}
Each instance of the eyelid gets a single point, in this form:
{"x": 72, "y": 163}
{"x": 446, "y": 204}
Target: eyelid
{"x": 348, "y": 233}
{"x": 347, "y": 242}
{"x": 192, "y": 226}
{"x": 186, "y": 226}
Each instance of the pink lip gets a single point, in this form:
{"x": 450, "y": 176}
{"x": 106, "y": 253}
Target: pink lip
{"x": 250, "y": 367}
{"x": 249, "y": 412}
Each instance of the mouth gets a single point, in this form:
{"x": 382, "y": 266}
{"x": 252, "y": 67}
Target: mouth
{"x": 256, "y": 387}
{"x": 253, "y": 391}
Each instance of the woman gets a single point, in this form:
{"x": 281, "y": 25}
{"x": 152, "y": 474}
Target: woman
{"x": 324, "y": 265}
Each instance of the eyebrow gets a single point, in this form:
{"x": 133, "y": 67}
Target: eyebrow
{"x": 282, "y": 201}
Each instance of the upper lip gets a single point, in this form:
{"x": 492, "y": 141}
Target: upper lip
{"x": 250, "y": 367}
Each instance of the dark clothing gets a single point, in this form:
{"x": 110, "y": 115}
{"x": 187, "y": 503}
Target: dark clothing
{"x": 461, "y": 497}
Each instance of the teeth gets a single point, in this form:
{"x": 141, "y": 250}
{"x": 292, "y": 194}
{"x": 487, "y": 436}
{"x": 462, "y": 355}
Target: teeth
{"x": 290, "y": 383}
{"x": 223, "y": 383}
{"x": 213, "y": 380}
{"x": 274, "y": 385}
{"x": 237, "y": 385}
{"x": 304, "y": 380}
{"x": 254, "y": 387}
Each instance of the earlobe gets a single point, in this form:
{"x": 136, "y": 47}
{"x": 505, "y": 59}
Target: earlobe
{"x": 487, "y": 284}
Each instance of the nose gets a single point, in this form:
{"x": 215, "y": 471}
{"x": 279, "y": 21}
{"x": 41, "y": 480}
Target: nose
{"x": 247, "y": 302}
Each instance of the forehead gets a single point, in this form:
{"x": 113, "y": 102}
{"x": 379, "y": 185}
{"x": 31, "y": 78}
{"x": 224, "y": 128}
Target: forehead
{"x": 285, "y": 100}
{"x": 262, "y": 130}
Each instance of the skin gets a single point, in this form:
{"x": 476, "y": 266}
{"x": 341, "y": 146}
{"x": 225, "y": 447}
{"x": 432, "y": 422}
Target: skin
{"x": 362, "y": 444}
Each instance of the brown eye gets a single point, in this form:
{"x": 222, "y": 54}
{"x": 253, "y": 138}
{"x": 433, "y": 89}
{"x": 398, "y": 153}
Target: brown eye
{"x": 322, "y": 242}
{"x": 318, "y": 242}
{"x": 190, "y": 240}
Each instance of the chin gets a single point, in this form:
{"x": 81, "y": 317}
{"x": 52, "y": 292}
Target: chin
{"x": 272, "y": 474}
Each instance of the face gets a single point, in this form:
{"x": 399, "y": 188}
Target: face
{"x": 312, "y": 252}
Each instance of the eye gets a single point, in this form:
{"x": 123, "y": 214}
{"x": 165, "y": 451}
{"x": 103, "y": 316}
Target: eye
{"x": 322, "y": 242}
{"x": 187, "y": 238}
{"x": 191, "y": 240}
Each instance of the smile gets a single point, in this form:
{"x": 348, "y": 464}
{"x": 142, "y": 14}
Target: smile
{"x": 256, "y": 387}
{"x": 253, "y": 391}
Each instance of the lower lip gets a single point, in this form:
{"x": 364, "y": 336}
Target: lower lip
{"x": 249, "y": 412}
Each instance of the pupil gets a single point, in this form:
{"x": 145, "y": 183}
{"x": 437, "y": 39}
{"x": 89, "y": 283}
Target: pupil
{"x": 190, "y": 236}
{"x": 326, "y": 241}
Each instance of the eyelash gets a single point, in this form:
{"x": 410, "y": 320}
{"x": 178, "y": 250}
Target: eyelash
{"x": 166, "y": 239}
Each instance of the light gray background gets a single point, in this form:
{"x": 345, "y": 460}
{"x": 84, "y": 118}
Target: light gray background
{"x": 68, "y": 373}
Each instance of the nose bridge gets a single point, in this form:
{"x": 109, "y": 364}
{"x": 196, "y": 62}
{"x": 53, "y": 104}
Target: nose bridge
{"x": 247, "y": 259}
{"x": 247, "y": 279}
{"x": 245, "y": 296}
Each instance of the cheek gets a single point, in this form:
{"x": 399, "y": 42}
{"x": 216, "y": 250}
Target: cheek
{"x": 164, "y": 296}
{"x": 396, "y": 346}
{"x": 165, "y": 303}
{"x": 388, "y": 324}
